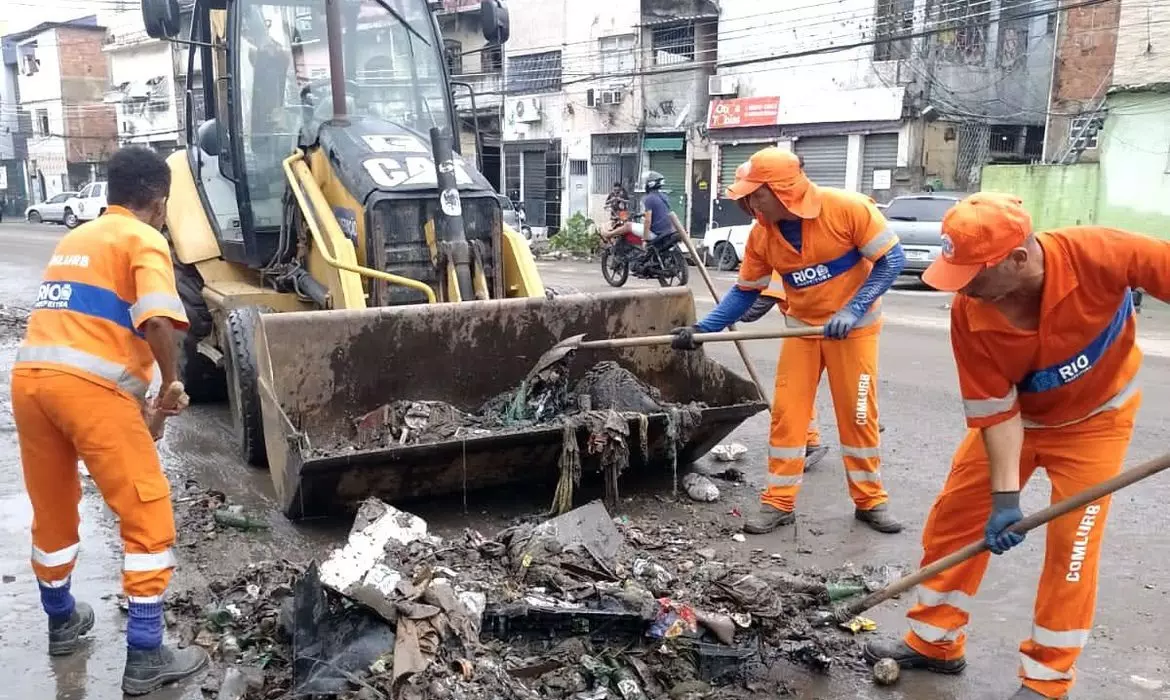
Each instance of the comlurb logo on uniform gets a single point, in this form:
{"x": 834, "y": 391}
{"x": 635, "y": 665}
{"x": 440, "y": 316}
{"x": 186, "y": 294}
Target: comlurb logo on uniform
{"x": 811, "y": 275}
{"x": 948, "y": 246}
{"x": 54, "y": 295}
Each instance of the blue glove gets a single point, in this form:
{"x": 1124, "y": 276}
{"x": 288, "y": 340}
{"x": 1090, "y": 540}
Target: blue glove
{"x": 842, "y": 322}
{"x": 1005, "y": 512}
{"x": 758, "y": 308}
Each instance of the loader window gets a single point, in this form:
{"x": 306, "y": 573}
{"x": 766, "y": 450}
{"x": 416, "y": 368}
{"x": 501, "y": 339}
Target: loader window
{"x": 393, "y": 72}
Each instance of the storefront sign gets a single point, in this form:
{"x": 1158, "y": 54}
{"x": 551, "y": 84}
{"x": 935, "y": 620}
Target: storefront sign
{"x": 746, "y": 111}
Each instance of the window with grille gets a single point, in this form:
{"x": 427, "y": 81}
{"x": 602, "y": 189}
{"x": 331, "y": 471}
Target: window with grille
{"x": 491, "y": 59}
{"x": 534, "y": 73}
{"x": 894, "y": 18}
{"x": 453, "y": 54}
{"x": 617, "y": 56}
{"x": 615, "y": 159}
{"x": 1083, "y": 131}
{"x": 961, "y": 30}
{"x": 673, "y": 44}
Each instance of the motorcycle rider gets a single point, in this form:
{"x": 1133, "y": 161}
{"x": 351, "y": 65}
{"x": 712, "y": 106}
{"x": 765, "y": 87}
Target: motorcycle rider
{"x": 657, "y": 218}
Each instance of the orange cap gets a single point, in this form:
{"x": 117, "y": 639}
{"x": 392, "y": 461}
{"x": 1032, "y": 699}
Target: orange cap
{"x": 780, "y": 170}
{"x": 977, "y": 233}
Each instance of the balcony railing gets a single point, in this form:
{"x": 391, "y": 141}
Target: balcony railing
{"x": 487, "y": 90}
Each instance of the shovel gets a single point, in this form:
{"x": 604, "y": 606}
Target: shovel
{"x": 1128, "y": 477}
{"x": 577, "y": 342}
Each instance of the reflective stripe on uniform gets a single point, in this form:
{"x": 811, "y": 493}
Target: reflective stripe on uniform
{"x": 781, "y": 480}
{"x": 144, "y": 599}
{"x": 875, "y": 246}
{"x": 60, "y": 557}
{"x": 149, "y": 562}
{"x": 155, "y": 301}
{"x": 932, "y": 598}
{"x": 1068, "y": 639}
{"x": 1127, "y": 392}
{"x": 787, "y": 452}
{"x": 867, "y": 320}
{"x": 761, "y": 283}
{"x": 861, "y": 452}
{"x": 62, "y": 583}
{"x": 933, "y": 635}
{"x": 985, "y": 408}
{"x": 1034, "y": 670}
{"x": 79, "y": 359}
{"x": 856, "y": 475}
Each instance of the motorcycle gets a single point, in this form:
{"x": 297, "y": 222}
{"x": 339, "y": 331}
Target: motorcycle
{"x": 661, "y": 259}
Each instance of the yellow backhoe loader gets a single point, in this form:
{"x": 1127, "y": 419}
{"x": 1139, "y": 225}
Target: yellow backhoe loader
{"x": 334, "y": 253}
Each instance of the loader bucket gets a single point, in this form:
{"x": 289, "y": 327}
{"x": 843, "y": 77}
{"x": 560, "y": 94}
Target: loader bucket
{"x": 321, "y": 370}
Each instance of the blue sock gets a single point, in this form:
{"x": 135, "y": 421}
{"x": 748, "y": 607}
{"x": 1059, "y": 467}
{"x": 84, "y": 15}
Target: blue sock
{"x": 145, "y": 628}
{"x": 57, "y": 602}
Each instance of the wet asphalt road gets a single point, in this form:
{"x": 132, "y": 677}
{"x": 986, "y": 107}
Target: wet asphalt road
{"x": 1126, "y": 658}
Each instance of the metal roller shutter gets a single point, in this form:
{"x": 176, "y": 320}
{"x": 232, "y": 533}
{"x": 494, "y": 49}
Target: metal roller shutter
{"x": 673, "y": 166}
{"x": 880, "y": 152}
{"x": 730, "y": 158}
{"x": 825, "y": 158}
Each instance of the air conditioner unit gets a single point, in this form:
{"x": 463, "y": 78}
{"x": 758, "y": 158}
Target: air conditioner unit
{"x": 611, "y": 97}
{"x": 527, "y": 110}
{"x": 722, "y": 86}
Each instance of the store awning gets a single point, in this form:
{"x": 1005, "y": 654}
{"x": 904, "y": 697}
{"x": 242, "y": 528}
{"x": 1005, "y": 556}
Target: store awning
{"x": 663, "y": 143}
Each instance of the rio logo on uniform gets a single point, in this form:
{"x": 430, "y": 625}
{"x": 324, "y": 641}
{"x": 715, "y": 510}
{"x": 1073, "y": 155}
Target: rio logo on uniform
{"x": 54, "y": 295}
{"x": 1074, "y": 368}
{"x": 810, "y": 276}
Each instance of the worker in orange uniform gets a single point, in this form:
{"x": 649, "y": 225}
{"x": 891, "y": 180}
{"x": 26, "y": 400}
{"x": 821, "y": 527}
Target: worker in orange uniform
{"x": 837, "y": 258}
{"x": 106, "y": 312}
{"x": 1043, "y": 332}
{"x": 774, "y": 296}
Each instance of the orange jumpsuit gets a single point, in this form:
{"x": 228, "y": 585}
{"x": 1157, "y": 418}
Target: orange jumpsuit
{"x": 77, "y": 390}
{"x": 776, "y": 291}
{"x": 1073, "y": 382}
{"x": 835, "y": 260}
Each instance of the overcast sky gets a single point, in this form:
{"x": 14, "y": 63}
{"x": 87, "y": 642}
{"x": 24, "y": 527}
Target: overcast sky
{"x": 22, "y": 14}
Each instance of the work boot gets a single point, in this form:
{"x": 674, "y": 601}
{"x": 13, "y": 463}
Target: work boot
{"x": 147, "y": 670}
{"x": 64, "y": 636}
{"x": 814, "y": 454}
{"x": 1026, "y": 693}
{"x": 898, "y": 650}
{"x": 768, "y": 519}
{"x": 879, "y": 519}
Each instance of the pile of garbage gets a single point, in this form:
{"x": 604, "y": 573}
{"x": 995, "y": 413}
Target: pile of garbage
{"x": 13, "y": 320}
{"x": 595, "y": 415}
{"x": 580, "y": 606}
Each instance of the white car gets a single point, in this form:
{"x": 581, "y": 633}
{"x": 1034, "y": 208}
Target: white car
{"x": 51, "y": 210}
{"x": 89, "y": 204}
{"x": 725, "y": 245}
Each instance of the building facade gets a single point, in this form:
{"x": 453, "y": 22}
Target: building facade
{"x": 1082, "y": 74}
{"x": 13, "y": 135}
{"x": 1135, "y": 140}
{"x": 62, "y": 80}
{"x": 882, "y": 97}
{"x": 142, "y": 84}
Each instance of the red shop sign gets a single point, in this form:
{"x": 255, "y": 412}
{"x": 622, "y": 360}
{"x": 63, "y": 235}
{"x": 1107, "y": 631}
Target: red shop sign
{"x": 746, "y": 111}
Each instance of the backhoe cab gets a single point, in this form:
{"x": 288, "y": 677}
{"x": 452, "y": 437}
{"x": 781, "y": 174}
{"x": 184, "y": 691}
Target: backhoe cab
{"x": 335, "y": 254}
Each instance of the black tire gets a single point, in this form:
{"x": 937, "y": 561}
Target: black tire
{"x": 725, "y": 258}
{"x": 70, "y": 219}
{"x": 674, "y": 261}
{"x": 614, "y": 269}
{"x": 552, "y": 291}
{"x": 205, "y": 382}
{"x": 34, "y": 217}
{"x": 239, "y": 358}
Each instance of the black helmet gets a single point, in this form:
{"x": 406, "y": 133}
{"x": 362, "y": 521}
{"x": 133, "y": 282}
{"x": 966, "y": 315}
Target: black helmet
{"x": 653, "y": 180}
